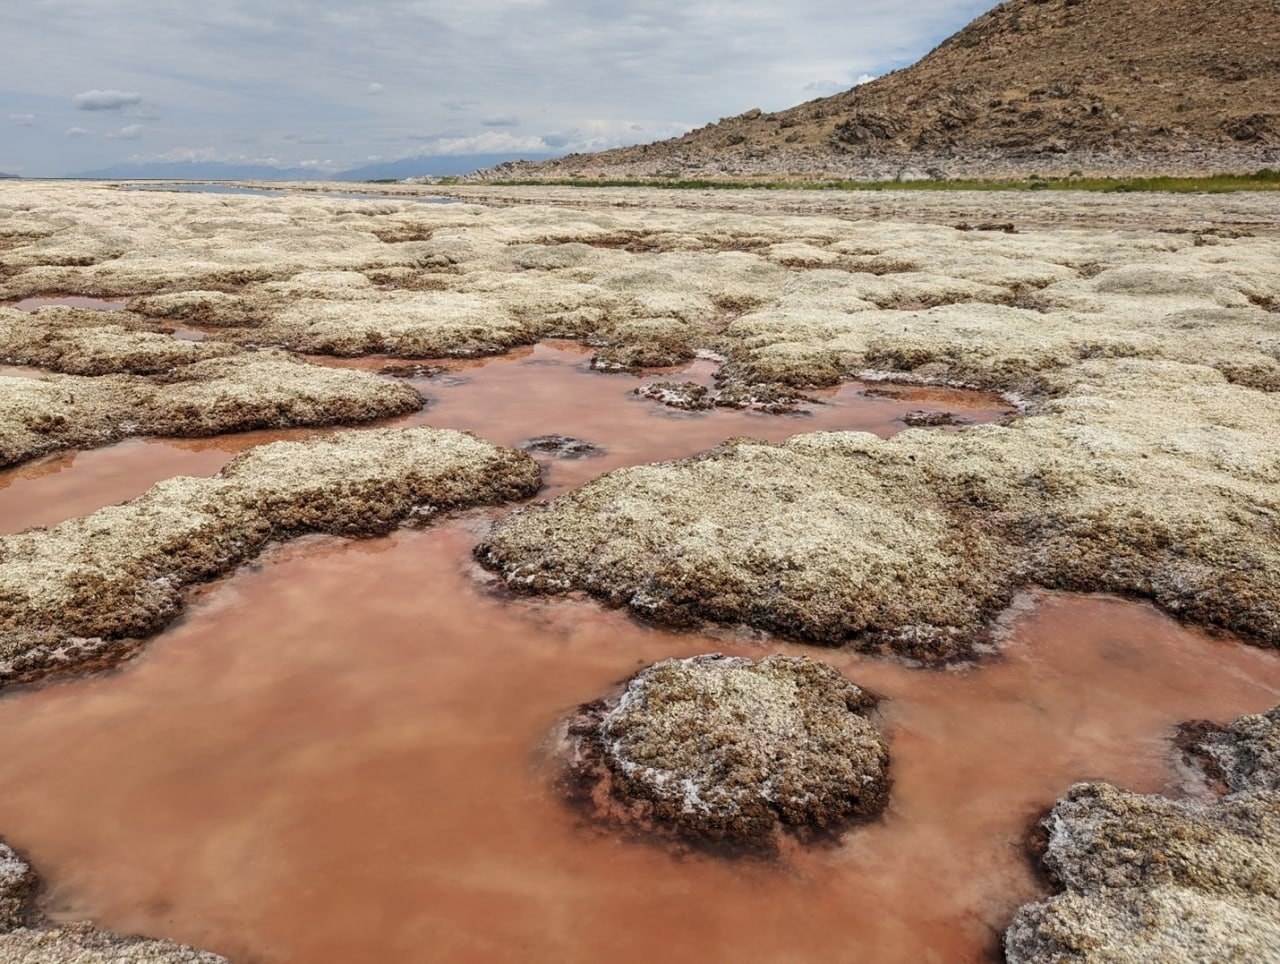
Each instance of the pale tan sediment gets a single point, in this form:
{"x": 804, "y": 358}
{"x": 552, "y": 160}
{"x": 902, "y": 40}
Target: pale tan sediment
{"x": 96, "y": 343}
{"x": 1138, "y": 330}
{"x": 84, "y": 593}
{"x": 1143, "y": 478}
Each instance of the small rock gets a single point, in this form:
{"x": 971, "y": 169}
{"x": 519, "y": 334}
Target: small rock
{"x": 924, "y": 419}
{"x": 562, "y": 447}
{"x": 413, "y": 370}
{"x": 687, "y": 396}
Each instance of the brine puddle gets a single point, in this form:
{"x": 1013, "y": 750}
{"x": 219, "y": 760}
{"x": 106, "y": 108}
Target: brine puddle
{"x": 336, "y": 757}
{"x": 535, "y": 391}
{"x": 337, "y": 754}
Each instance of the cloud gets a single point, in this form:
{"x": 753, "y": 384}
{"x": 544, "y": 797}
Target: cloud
{"x": 106, "y": 100}
{"x": 76, "y": 132}
{"x": 203, "y": 155}
{"x": 372, "y": 77}
{"x": 501, "y": 121}
{"x": 183, "y": 154}
{"x": 131, "y": 132}
{"x": 23, "y": 120}
{"x": 490, "y": 142}
{"x": 310, "y": 139}
{"x": 825, "y": 88}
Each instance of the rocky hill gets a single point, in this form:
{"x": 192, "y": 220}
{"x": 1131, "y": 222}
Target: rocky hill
{"x": 1034, "y": 86}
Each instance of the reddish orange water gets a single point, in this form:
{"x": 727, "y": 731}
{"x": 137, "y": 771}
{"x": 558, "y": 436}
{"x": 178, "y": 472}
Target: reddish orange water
{"x": 338, "y": 754}
{"x": 336, "y": 758}
{"x": 532, "y": 392}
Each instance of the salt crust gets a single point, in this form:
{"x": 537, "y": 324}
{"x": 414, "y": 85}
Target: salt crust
{"x": 83, "y": 593}
{"x": 1149, "y": 879}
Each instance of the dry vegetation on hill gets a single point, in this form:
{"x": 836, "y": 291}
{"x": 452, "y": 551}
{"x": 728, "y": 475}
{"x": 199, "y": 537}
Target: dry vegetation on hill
{"x": 1033, "y": 86}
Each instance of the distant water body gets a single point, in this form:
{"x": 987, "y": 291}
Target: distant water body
{"x": 281, "y": 192}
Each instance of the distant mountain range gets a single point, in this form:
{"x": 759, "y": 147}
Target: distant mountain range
{"x": 440, "y": 166}
{"x": 1033, "y": 86}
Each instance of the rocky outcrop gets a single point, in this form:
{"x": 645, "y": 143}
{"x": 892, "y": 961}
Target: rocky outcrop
{"x": 1032, "y": 87}
{"x": 719, "y": 749}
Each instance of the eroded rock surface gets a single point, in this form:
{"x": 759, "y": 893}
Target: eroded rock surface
{"x": 27, "y": 938}
{"x": 1146, "y": 878}
{"x": 83, "y": 593}
{"x": 719, "y": 748}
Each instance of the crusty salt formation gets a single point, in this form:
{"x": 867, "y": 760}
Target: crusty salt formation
{"x": 83, "y": 593}
{"x": 252, "y": 390}
{"x": 1145, "y": 878}
{"x": 1145, "y": 478}
{"x": 88, "y": 342}
{"x": 719, "y": 748}
{"x": 1245, "y": 754}
{"x": 1147, "y": 362}
{"x": 27, "y": 938}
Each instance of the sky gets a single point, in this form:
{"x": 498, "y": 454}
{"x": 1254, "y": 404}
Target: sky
{"x": 329, "y": 85}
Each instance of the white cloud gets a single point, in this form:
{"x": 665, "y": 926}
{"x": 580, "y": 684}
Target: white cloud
{"x": 131, "y": 132}
{"x": 825, "y": 88}
{"x": 374, "y": 89}
{"x": 505, "y": 120}
{"x": 23, "y": 120}
{"x": 76, "y": 132}
{"x": 490, "y": 142}
{"x": 106, "y": 100}
{"x": 193, "y": 155}
{"x": 183, "y": 154}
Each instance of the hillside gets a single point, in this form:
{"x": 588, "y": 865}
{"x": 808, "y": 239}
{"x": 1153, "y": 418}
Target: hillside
{"x": 1033, "y": 86}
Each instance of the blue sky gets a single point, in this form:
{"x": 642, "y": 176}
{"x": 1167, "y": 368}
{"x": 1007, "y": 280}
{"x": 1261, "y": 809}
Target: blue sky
{"x": 332, "y": 85}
